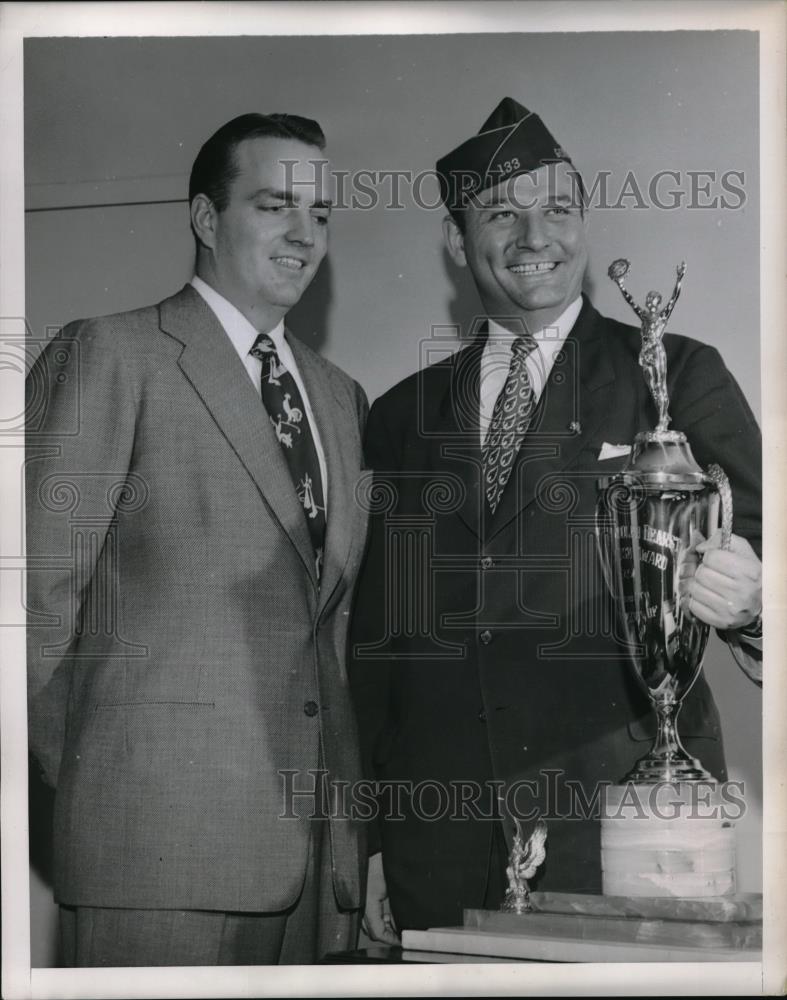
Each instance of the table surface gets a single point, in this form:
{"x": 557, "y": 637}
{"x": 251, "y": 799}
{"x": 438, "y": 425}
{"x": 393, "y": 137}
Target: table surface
{"x": 387, "y": 955}
{"x": 569, "y": 927}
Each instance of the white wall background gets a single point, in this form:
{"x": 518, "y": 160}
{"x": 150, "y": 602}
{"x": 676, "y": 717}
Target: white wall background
{"x": 112, "y": 127}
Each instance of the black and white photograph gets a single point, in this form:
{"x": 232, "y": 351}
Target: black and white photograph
{"x": 392, "y": 445}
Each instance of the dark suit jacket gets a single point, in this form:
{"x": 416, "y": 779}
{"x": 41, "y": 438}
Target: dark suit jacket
{"x": 181, "y": 655}
{"x": 484, "y": 649}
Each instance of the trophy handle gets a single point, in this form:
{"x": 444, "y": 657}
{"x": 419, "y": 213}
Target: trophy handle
{"x": 718, "y": 477}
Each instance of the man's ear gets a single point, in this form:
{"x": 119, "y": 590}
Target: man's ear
{"x": 454, "y": 241}
{"x": 203, "y": 219}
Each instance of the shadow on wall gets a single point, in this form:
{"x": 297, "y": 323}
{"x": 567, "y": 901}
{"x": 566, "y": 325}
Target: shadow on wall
{"x": 41, "y": 798}
{"x": 310, "y": 319}
{"x": 465, "y": 307}
{"x": 40, "y": 801}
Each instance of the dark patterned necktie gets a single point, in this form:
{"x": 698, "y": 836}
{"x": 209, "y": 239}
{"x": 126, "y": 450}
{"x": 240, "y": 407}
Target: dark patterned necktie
{"x": 284, "y": 404}
{"x": 511, "y": 417}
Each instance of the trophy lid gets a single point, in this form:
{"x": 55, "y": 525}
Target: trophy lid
{"x": 665, "y": 453}
{"x": 661, "y": 458}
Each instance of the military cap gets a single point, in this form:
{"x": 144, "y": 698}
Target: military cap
{"x": 511, "y": 141}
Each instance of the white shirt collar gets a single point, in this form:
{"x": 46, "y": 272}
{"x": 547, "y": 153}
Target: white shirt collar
{"x": 237, "y": 327}
{"x": 549, "y": 341}
{"x": 548, "y": 336}
{"x": 496, "y": 359}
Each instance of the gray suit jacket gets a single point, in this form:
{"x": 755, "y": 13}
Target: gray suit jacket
{"x": 184, "y": 667}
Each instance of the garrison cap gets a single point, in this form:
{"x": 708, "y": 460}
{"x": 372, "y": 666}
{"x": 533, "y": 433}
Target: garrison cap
{"x": 511, "y": 141}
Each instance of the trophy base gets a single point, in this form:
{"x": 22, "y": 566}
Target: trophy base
{"x": 676, "y": 839}
{"x": 516, "y": 904}
{"x": 655, "y": 770}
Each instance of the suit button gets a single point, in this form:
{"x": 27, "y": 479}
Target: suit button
{"x": 311, "y": 708}
{"x": 486, "y": 637}
{"x": 487, "y": 562}
{"x": 482, "y": 716}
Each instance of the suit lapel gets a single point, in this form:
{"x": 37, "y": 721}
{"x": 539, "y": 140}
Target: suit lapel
{"x": 211, "y": 364}
{"x": 577, "y": 397}
{"x": 337, "y": 424}
{"x": 456, "y": 444}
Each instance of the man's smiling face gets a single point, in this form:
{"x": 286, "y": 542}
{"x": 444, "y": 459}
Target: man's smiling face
{"x": 268, "y": 241}
{"x": 525, "y": 244}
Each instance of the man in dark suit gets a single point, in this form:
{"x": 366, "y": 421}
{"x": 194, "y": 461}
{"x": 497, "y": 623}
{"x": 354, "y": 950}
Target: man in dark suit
{"x": 486, "y": 670}
{"x": 192, "y": 547}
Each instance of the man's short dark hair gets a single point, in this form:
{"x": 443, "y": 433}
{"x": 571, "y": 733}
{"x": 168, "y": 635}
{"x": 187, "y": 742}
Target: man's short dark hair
{"x": 216, "y": 166}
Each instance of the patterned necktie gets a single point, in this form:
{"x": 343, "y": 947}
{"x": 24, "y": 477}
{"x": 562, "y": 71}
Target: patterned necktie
{"x": 284, "y": 404}
{"x": 510, "y": 419}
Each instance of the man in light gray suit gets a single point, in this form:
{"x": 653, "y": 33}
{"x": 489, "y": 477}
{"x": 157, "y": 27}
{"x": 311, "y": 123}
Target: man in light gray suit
{"x": 193, "y": 542}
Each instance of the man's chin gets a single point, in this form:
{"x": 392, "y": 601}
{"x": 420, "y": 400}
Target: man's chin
{"x": 541, "y": 301}
{"x": 288, "y": 295}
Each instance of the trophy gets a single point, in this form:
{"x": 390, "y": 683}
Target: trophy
{"x": 649, "y": 518}
{"x": 523, "y": 861}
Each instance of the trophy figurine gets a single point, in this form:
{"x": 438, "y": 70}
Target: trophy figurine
{"x": 649, "y": 519}
{"x": 522, "y": 865}
{"x": 652, "y": 358}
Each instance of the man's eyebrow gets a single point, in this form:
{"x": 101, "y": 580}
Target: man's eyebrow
{"x": 495, "y": 203}
{"x": 527, "y": 201}
{"x": 288, "y": 197}
{"x": 272, "y": 193}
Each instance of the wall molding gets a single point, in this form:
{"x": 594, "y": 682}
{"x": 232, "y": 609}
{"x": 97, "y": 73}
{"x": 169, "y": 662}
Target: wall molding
{"x": 107, "y": 192}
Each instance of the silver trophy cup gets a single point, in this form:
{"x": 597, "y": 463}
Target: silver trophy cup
{"x": 649, "y": 519}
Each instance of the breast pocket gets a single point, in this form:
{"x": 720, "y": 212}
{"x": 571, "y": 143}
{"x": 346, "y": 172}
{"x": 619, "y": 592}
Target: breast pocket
{"x": 605, "y": 457}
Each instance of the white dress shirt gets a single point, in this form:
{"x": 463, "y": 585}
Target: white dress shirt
{"x": 496, "y": 359}
{"x": 242, "y": 335}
